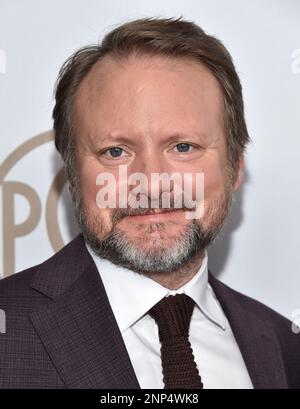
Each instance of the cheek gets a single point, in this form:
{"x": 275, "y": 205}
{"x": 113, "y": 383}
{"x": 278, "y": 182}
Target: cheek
{"x": 214, "y": 178}
{"x": 89, "y": 188}
{"x": 214, "y": 181}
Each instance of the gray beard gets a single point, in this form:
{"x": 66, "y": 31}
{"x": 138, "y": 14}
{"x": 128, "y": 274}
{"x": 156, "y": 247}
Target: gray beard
{"x": 158, "y": 258}
{"x": 121, "y": 251}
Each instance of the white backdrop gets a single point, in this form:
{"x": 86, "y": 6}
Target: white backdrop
{"x": 258, "y": 252}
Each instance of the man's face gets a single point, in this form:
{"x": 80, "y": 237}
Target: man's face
{"x": 153, "y": 115}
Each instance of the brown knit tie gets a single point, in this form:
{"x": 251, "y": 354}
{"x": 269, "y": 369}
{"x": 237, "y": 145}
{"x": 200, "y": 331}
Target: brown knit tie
{"x": 172, "y": 315}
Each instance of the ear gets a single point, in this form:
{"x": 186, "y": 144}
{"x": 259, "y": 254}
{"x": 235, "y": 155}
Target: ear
{"x": 240, "y": 174}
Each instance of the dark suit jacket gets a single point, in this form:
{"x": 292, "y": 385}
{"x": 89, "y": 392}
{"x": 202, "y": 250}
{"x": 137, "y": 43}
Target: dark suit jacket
{"x": 61, "y": 331}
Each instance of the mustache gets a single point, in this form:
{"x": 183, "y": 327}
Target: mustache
{"x": 121, "y": 213}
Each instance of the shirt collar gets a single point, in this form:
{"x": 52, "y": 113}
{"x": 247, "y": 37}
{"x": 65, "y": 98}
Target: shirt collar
{"x": 131, "y": 294}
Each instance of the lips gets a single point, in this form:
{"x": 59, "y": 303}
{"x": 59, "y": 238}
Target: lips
{"x": 157, "y": 211}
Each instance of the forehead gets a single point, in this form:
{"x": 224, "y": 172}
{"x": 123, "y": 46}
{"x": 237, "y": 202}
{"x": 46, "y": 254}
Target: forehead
{"x": 148, "y": 90}
{"x": 112, "y": 71}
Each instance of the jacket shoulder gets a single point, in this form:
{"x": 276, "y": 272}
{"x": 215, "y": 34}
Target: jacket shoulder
{"x": 19, "y": 282}
{"x": 263, "y": 312}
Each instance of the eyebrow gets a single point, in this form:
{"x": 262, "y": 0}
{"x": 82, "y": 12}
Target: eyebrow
{"x": 117, "y": 138}
{"x": 172, "y": 137}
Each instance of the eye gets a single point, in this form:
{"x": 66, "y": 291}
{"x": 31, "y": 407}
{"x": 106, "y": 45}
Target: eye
{"x": 183, "y": 147}
{"x": 114, "y": 152}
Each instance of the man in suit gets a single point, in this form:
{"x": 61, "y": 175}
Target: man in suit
{"x": 130, "y": 303}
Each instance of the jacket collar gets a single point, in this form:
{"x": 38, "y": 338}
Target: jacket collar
{"x": 255, "y": 336}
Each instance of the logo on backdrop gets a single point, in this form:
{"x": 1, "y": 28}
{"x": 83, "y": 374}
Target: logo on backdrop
{"x": 13, "y": 230}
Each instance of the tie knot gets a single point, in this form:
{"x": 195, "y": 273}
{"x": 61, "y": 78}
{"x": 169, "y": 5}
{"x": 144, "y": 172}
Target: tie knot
{"x": 173, "y": 315}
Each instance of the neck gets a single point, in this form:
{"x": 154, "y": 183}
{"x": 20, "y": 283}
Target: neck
{"x": 178, "y": 278}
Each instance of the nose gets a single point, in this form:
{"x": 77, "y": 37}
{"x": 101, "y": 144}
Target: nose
{"x": 151, "y": 165}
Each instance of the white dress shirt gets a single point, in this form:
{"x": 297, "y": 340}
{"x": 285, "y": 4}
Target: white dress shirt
{"x": 131, "y": 295}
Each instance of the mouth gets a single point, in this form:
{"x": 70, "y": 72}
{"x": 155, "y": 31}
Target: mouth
{"x": 157, "y": 214}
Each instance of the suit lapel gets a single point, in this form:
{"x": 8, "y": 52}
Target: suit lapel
{"x": 77, "y": 326}
{"x": 255, "y": 337}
